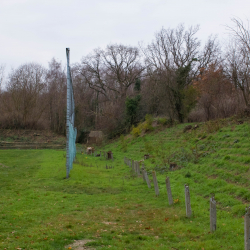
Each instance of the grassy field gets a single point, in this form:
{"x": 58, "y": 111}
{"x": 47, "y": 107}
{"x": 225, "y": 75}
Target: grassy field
{"x": 40, "y": 209}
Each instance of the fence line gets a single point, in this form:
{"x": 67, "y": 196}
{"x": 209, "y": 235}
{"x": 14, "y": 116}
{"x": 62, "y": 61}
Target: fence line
{"x": 213, "y": 217}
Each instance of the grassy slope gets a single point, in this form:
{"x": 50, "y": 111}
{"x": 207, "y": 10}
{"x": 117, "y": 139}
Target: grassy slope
{"x": 39, "y": 209}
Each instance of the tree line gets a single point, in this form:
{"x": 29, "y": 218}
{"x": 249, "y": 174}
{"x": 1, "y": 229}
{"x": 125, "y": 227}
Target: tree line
{"x": 174, "y": 76}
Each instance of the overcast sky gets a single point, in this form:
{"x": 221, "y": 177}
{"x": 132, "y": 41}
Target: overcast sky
{"x": 38, "y": 30}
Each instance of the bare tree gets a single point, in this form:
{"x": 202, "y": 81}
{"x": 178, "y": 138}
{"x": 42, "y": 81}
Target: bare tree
{"x": 176, "y": 57}
{"x": 86, "y": 108}
{"x": 112, "y": 71}
{"x": 56, "y": 91}
{"x": 240, "y": 32}
{"x": 216, "y": 93}
{"x": 26, "y": 85}
{"x": 238, "y": 58}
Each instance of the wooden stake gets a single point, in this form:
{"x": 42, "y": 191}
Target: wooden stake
{"x": 155, "y": 184}
{"x": 170, "y": 198}
{"x": 146, "y": 178}
{"x": 212, "y": 214}
{"x": 187, "y": 201}
{"x": 247, "y": 229}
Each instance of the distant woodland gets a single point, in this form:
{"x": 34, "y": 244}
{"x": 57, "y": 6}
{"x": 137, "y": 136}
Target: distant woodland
{"x": 174, "y": 76}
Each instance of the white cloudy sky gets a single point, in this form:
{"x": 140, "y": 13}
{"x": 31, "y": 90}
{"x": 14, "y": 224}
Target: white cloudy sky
{"x": 37, "y": 30}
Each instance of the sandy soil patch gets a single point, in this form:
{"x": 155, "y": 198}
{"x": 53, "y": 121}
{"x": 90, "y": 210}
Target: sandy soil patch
{"x": 80, "y": 245}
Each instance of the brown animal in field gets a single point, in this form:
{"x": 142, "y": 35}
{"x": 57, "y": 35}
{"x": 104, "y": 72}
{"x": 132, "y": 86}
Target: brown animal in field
{"x": 90, "y": 150}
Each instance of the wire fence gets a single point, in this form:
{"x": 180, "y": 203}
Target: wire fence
{"x": 70, "y": 129}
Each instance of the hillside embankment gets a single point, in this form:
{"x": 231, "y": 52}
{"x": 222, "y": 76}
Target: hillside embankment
{"x": 215, "y": 155}
{"x": 106, "y": 205}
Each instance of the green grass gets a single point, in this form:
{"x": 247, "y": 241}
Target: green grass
{"x": 40, "y": 209}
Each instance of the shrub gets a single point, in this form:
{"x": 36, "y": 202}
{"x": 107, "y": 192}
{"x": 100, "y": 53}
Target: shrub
{"x": 143, "y": 127}
{"x": 162, "y": 121}
{"x": 166, "y": 122}
{"x": 147, "y": 125}
{"x": 136, "y": 131}
{"x": 149, "y": 119}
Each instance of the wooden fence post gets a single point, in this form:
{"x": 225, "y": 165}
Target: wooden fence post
{"x": 187, "y": 201}
{"x": 146, "y": 178}
{"x": 212, "y": 214}
{"x": 247, "y": 229}
{"x": 155, "y": 183}
{"x": 133, "y": 165}
{"x": 170, "y": 198}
